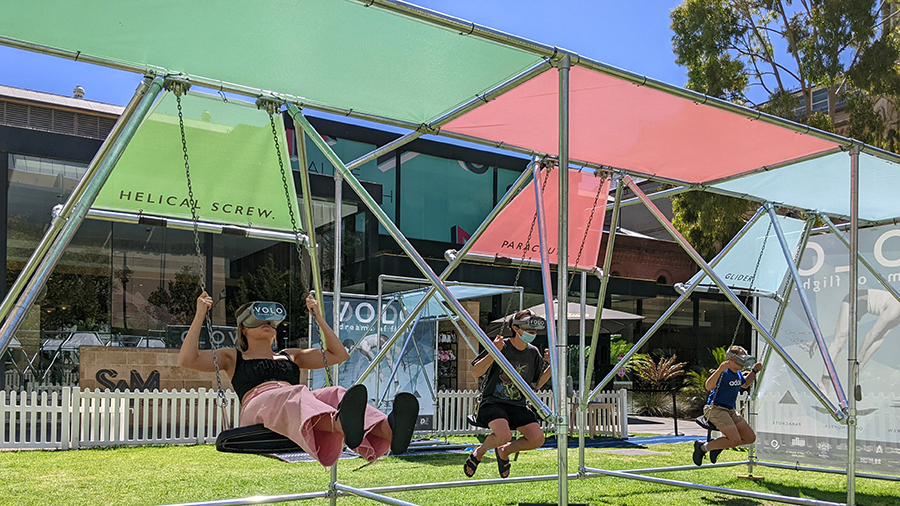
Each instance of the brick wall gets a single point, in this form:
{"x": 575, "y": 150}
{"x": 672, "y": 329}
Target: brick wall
{"x": 648, "y": 259}
{"x": 139, "y": 369}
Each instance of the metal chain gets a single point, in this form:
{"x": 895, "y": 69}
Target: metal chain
{"x": 527, "y": 243}
{"x": 753, "y": 279}
{"x": 287, "y": 198}
{"x": 329, "y": 381}
{"x": 221, "y": 399}
{"x": 588, "y": 227}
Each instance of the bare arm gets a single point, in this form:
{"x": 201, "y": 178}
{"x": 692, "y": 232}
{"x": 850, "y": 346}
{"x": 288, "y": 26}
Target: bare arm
{"x": 545, "y": 376}
{"x": 312, "y": 358}
{"x": 713, "y": 379}
{"x": 191, "y": 356}
{"x": 481, "y": 367}
{"x": 752, "y": 376}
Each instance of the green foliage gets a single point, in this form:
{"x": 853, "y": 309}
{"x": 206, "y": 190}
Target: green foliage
{"x": 620, "y": 346}
{"x": 708, "y": 221}
{"x": 729, "y": 46}
{"x": 704, "y": 31}
{"x": 178, "y": 301}
{"x": 269, "y": 282}
{"x": 660, "y": 374}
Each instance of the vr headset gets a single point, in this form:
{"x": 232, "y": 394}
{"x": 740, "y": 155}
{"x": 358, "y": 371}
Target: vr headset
{"x": 531, "y": 323}
{"x": 259, "y": 313}
{"x": 741, "y": 360}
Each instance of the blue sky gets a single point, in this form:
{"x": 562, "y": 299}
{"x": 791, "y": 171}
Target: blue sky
{"x": 631, "y": 34}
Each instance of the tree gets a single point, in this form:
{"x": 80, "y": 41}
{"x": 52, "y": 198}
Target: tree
{"x": 784, "y": 51}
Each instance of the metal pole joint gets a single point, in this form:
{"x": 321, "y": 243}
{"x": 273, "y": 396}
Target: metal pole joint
{"x": 178, "y": 84}
{"x": 268, "y": 104}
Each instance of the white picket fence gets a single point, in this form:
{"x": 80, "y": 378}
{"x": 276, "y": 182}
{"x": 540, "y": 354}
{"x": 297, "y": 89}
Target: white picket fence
{"x": 606, "y": 415}
{"x": 13, "y": 380}
{"x": 70, "y": 418}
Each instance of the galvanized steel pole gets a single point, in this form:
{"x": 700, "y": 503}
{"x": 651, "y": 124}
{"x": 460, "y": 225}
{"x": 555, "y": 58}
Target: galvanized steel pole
{"x": 420, "y": 263}
{"x": 562, "y": 278}
{"x": 852, "y": 364}
{"x": 79, "y": 210}
{"x": 729, "y": 294}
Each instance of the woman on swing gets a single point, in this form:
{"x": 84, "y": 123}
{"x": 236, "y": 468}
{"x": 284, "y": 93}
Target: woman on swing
{"x": 726, "y": 382}
{"x": 268, "y": 384}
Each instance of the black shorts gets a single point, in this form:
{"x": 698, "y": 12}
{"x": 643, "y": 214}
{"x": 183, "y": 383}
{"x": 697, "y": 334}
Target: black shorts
{"x": 516, "y": 416}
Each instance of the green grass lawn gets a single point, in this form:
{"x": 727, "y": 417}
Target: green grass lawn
{"x": 176, "y": 474}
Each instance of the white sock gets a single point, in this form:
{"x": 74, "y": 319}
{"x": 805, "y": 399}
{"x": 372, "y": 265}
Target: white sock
{"x": 704, "y": 447}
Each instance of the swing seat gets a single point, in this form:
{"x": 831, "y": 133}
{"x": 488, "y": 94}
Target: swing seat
{"x": 706, "y": 424}
{"x": 473, "y": 421}
{"x": 255, "y": 439}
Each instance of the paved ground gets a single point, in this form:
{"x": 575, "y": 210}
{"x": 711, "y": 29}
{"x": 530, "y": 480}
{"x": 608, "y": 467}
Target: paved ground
{"x": 663, "y": 426}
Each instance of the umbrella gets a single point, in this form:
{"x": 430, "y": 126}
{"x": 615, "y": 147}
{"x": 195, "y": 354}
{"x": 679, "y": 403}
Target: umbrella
{"x": 611, "y": 320}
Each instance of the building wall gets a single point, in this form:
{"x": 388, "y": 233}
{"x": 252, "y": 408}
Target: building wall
{"x": 141, "y": 369}
{"x": 650, "y": 260}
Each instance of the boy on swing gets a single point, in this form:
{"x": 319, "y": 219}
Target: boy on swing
{"x": 726, "y": 382}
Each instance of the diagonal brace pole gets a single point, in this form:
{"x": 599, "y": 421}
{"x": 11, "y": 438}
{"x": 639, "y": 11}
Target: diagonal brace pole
{"x": 417, "y": 259}
{"x": 807, "y": 307}
{"x": 729, "y": 294}
{"x": 665, "y": 316}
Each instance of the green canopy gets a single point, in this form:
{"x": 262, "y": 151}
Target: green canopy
{"x": 235, "y": 174}
{"x": 330, "y": 52}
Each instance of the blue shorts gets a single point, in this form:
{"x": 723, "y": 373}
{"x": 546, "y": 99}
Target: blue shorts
{"x": 516, "y": 416}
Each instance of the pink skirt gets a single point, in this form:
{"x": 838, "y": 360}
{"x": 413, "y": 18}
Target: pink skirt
{"x": 293, "y": 411}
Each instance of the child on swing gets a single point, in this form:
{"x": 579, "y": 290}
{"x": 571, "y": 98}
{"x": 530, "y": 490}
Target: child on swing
{"x": 726, "y": 382}
{"x": 268, "y": 383}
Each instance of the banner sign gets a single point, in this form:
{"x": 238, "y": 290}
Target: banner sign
{"x": 235, "y": 174}
{"x": 513, "y": 234}
{"x": 791, "y": 424}
{"x": 408, "y": 367}
{"x": 757, "y": 259}
{"x": 223, "y": 337}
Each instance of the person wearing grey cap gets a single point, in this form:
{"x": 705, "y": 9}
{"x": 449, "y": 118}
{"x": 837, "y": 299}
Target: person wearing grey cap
{"x": 726, "y": 382}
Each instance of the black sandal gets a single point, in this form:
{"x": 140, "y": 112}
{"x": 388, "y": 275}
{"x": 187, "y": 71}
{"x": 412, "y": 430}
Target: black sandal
{"x": 403, "y": 421}
{"x": 471, "y": 465}
{"x": 503, "y": 466}
{"x": 352, "y": 413}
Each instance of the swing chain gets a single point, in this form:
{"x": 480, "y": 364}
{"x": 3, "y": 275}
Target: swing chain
{"x": 287, "y": 193}
{"x": 589, "y": 222}
{"x": 527, "y": 245}
{"x": 179, "y": 88}
{"x": 191, "y": 202}
{"x": 267, "y": 105}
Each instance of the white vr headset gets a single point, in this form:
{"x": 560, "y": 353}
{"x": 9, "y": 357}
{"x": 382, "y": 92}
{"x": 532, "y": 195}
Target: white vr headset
{"x": 259, "y": 313}
{"x": 741, "y": 360}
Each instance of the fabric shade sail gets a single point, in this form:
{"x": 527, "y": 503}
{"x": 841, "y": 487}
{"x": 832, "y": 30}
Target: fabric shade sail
{"x": 328, "y": 52}
{"x": 757, "y": 261}
{"x": 514, "y": 233}
{"x": 822, "y": 184}
{"x": 235, "y": 173}
{"x": 616, "y": 123}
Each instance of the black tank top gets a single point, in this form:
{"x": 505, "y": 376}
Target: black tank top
{"x": 250, "y": 373}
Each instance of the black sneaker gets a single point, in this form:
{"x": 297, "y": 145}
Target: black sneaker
{"x": 714, "y": 455}
{"x": 352, "y": 412}
{"x": 698, "y": 452}
{"x": 403, "y": 421}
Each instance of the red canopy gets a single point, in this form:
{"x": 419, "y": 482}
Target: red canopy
{"x": 509, "y": 233}
{"x": 616, "y": 123}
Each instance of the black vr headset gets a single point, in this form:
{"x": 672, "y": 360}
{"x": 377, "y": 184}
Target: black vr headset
{"x": 259, "y": 313}
{"x": 531, "y": 323}
{"x": 741, "y": 360}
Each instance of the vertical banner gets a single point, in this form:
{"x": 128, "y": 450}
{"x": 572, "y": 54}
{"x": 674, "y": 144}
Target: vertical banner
{"x": 408, "y": 367}
{"x": 792, "y": 426}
